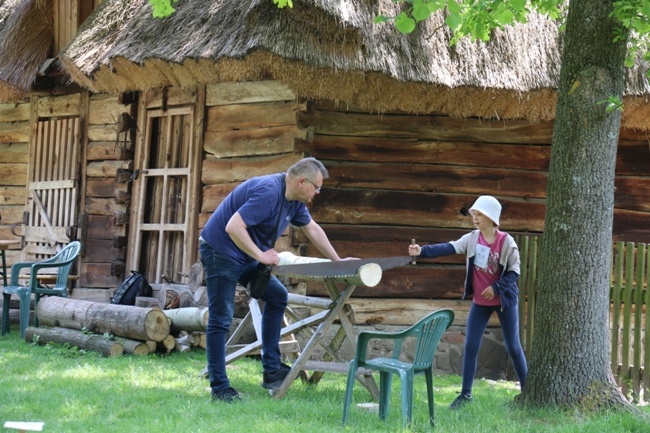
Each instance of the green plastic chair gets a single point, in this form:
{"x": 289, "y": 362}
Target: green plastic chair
{"x": 62, "y": 262}
{"x": 427, "y": 333}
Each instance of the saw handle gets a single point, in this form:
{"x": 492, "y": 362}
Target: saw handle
{"x": 413, "y": 258}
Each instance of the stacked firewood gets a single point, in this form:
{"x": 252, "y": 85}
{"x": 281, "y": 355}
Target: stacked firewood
{"x": 113, "y": 329}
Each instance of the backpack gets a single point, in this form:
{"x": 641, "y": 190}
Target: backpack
{"x": 133, "y": 286}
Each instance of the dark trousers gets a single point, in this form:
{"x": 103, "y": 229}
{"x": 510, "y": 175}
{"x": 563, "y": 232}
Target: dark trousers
{"x": 222, "y": 276}
{"x": 476, "y": 324}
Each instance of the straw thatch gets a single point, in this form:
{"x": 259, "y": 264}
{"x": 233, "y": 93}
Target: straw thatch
{"x": 326, "y": 49}
{"x": 25, "y": 39}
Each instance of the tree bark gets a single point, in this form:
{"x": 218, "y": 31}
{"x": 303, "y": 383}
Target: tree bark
{"x": 569, "y": 363}
{"x": 121, "y": 320}
{"x": 79, "y": 339}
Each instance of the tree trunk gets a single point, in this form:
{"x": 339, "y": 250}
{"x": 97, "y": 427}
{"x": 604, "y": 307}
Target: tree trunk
{"x": 121, "y": 320}
{"x": 72, "y": 337}
{"x": 569, "y": 363}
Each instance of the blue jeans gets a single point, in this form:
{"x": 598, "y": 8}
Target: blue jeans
{"x": 476, "y": 323}
{"x": 222, "y": 276}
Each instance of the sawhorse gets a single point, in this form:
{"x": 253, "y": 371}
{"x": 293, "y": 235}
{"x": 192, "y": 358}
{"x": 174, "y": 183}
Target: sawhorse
{"x": 337, "y": 307}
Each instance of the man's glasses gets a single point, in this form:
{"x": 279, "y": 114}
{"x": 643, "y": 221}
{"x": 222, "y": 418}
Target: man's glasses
{"x": 316, "y": 188}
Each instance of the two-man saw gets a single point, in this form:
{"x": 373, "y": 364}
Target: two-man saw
{"x": 341, "y": 268}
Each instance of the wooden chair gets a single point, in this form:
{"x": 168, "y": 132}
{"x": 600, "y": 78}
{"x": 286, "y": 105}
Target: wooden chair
{"x": 61, "y": 262}
{"x": 427, "y": 333}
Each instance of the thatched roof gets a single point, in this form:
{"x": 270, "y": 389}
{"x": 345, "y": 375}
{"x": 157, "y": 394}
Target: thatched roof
{"x": 25, "y": 35}
{"x": 323, "y": 49}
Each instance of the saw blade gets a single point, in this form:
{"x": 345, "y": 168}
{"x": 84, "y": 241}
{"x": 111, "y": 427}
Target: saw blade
{"x": 338, "y": 269}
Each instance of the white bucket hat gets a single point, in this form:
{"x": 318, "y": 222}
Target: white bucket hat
{"x": 488, "y": 206}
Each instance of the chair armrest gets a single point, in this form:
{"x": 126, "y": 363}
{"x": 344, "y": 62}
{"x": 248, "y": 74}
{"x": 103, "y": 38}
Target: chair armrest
{"x": 364, "y": 338}
{"x": 33, "y": 280}
{"x": 387, "y": 335}
{"x": 48, "y": 260}
{"x": 35, "y": 283}
{"x": 15, "y": 271}
{"x": 42, "y": 265}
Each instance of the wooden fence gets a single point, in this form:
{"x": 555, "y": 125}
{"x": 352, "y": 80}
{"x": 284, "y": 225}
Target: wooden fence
{"x": 628, "y": 325}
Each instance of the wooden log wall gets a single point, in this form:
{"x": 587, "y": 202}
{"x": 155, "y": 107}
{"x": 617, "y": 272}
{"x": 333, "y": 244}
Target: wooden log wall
{"x": 14, "y": 158}
{"x": 396, "y": 176}
{"x": 250, "y": 131}
{"x": 105, "y": 199}
{"x": 111, "y": 133}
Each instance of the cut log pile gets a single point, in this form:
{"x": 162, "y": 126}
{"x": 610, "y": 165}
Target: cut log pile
{"x": 113, "y": 329}
{"x": 174, "y": 318}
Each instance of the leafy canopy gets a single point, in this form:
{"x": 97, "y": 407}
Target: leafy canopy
{"x": 474, "y": 18}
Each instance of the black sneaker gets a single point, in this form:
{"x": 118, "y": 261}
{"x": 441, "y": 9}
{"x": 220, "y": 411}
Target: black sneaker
{"x": 461, "y": 401}
{"x": 274, "y": 380}
{"x": 228, "y": 395}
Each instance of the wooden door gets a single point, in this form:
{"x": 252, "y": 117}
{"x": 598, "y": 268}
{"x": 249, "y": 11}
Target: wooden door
{"x": 162, "y": 230}
{"x": 52, "y": 197}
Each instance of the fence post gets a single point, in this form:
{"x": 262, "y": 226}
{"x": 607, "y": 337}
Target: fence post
{"x": 617, "y": 287}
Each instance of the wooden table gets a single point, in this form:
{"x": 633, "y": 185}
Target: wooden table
{"x": 4, "y": 245}
{"x": 367, "y": 273}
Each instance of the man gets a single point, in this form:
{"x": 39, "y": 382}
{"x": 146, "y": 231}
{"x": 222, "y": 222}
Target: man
{"x": 240, "y": 234}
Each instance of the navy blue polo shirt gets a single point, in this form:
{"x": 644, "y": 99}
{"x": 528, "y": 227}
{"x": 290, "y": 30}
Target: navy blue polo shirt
{"x": 258, "y": 200}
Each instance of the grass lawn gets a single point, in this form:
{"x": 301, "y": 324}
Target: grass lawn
{"x": 73, "y": 391}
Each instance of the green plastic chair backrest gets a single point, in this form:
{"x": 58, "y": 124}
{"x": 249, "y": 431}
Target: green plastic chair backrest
{"x": 64, "y": 260}
{"x": 430, "y": 330}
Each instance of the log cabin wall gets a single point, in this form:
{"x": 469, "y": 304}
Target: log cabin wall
{"x": 14, "y": 158}
{"x": 102, "y": 222}
{"x": 394, "y": 177}
{"x": 111, "y": 134}
{"x": 100, "y": 215}
{"x": 251, "y": 130}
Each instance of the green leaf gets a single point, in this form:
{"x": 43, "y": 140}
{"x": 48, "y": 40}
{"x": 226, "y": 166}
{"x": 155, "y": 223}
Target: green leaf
{"x": 453, "y": 21}
{"x": 282, "y": 3}
{"x": 645, "y": 9}
{"x": 420, "y": 10}
{"x": 613, "y": 103}
{"x": 504, "y": 17}
{"x": 404, "y": 23}
{"x": 518, "y": 5}
{"x": 454, "y": 7}
{"x": 161, "y": 8}
{"x": 381, "y": 19}
{"x": 435, "y": 5}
